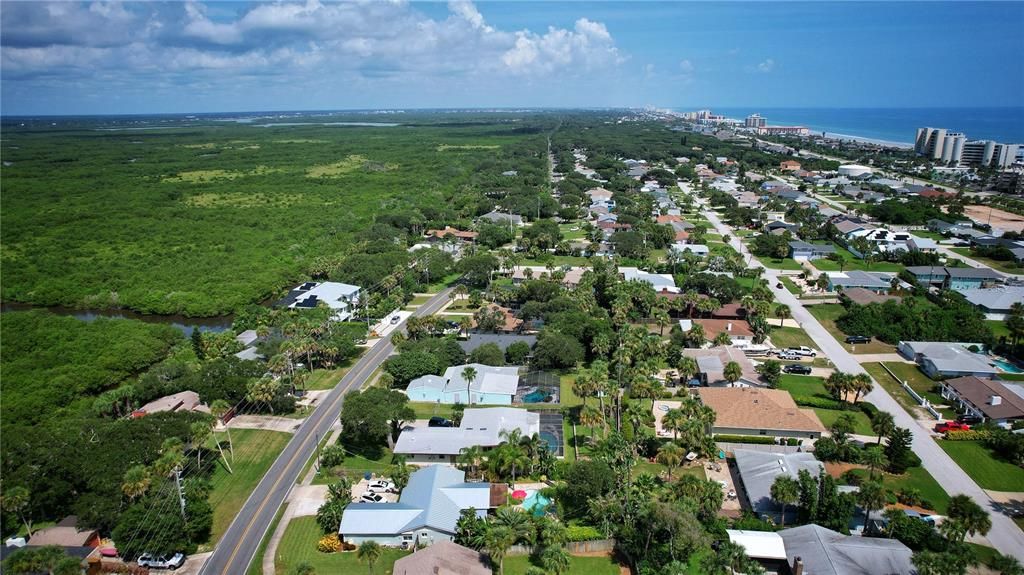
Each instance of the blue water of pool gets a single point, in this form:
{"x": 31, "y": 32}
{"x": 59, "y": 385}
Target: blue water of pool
{"x": 536, "y": 503}
{"x": 551, "y": 440}
{"x": 1007, "y": 366}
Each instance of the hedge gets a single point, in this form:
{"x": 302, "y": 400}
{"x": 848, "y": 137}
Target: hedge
{"x": 970, "y": 435}
{"x": 583, "y": 533}
{"x": 820, "y": 402}
{"x": 760, "y": 439}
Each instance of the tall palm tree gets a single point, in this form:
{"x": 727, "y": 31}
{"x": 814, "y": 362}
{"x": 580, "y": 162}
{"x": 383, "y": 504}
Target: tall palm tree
{"x": 497, "y": 540}
{"x": 219, "y": 408}
{"x": 469, "y": 374}
{"x": 555, "y": 559}
{"x": 199, "y": 434}
{"x": 591, "y": 417}
{"x": 370, "y": 552}
{"x": 687, "y": 367}
{"x": 874, "y": 457}
{"x": 782, "y": 310}
{"x": 870, "y": 496}
{"x": 969, "y": 518}
{"x": 730, "y": 558}
{"x": 136, "y": 482}
{"x": 674, "y": 420}
{"x": 471, "y": 457}
{"x": 733, "y": 372}
{"x": 785, "y": 491}
{"x": 16, "y": 500}
{"x": 861, "y": 385}
{"x": 671, "y": 455}
{"x": 882, "y": 424}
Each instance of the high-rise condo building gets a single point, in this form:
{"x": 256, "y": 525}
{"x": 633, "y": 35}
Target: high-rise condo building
{"x": 755, "y": 121}
{"x": 953, "y": 148}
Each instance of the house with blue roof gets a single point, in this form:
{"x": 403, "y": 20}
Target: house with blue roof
{"x": 425, "y": 513}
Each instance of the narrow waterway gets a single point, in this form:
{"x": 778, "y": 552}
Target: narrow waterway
{"x": 185, "y": 324}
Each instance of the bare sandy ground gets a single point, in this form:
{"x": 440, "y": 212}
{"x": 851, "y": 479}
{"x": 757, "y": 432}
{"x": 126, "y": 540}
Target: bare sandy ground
{"x": 1000, "y": 219}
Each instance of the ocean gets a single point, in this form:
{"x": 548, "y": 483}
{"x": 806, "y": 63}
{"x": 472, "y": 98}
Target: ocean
{"x": 895, "y": 124}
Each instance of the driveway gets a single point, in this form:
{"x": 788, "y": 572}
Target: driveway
{"x": 265, "y": 422}
{"x": 1005, "y": 535}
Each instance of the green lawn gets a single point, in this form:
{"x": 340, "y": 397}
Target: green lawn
{"x": 518, "y": 565}
{"x": 810, "y": 386}
{"x": 781, "y": 264}
{"x": 828, "y": 313}
{"x": 355, "y": 466}
{"x": 802, "y": 384}
{"x": 916, "y": 478}
{"x": 255, "y": 452}
{"x": 791, "y": 337}
{"x": 929, "y": 234}
{"x": 417, "y": 301}
{"x": 428, "y": 409}
{"x": 299, "y": 545}
{"x": 558, "y": 261}
{"x": 861, "y": 423}
{"x": 854, "y": 263}
{"x": 792, "y": 287}
{"x": 570, "y": 234}
{"x": 983, "y": 467}
{"x": 328, "y": 378}
{"x": 999, "y": 328}
{"x": 917, "y": 380}
{"x": 1008, "y": 267}
{"x": 568, "y": 397}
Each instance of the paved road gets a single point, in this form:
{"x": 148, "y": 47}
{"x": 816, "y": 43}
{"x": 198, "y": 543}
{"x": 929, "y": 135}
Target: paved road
{"x": 237, "y": 547}
{"x": 1005, "y": 535}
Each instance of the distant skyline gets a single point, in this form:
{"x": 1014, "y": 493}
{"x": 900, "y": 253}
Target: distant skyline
{"x": 102, "y": 58}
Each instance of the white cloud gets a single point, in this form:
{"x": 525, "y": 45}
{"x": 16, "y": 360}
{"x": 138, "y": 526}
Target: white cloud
{"x": 686, "y": 67}
{"x": 766, "y": 66}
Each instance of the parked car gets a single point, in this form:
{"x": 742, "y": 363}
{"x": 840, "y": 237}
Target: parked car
{"x": 381, "y": 486}
{"x": 396, "y": 319}
{"x": 951, "y": 426}
{"x": 787, "y": 356}
{"x": 371, "y": 497}
{"x": 858, "y": 339}
{"x": 440, "y": 422}
{"x": 797, "y": 368}
{"x": 161, "y": 561}
{"x": 971, "y": 419}
{"x": 801, "y": 350}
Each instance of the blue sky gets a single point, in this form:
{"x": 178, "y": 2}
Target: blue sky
{"x": 96, "y": 57}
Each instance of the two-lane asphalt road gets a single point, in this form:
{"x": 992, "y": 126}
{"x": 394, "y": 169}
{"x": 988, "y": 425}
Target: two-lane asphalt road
{"x": 1005, "y": 535}
{"x": 237, "y": 547}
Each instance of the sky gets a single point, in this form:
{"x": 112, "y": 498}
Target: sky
{"x": 178, "y": 57}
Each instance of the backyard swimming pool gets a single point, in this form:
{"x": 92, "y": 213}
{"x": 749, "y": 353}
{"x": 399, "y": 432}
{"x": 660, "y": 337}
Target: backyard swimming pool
{"x": 1007, "y": 366}
{"x": 536, "y": 503}
{"x": 551, "y": 440}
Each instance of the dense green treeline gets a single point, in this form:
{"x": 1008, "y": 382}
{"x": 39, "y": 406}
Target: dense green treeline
{"x": 206, "y": 220}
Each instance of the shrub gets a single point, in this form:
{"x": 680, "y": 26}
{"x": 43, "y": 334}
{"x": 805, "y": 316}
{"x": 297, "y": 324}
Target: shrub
{"x": 583, "y": 533}
{"x": 332, "y": 456}
{"x": 346, "y": 546}
{"x": 329, "y": 544}
{"x": 851, "y": 477}
{"x": 869, "y": 409}
{"x": 758, "y": 439}
{"x": 820, "y": 402}
{"x": 971, "y": 435}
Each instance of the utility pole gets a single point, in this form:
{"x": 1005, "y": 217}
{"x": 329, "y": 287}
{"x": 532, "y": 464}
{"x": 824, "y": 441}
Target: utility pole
{"x": 181, "y": 492}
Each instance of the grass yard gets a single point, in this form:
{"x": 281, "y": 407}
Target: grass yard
{"x": 861, "y": 423}
{"x": 999, "y": 328}
{"x": 894, "y": 388}
{"x": 854, "y": 263}
{"x": 802, "y": 384}
{"x": 1008, "y": 267}
{"x": 983, "y": 467}
{"x": 519, "y": 564}
{"x": 558, "y": 261}
{"x": 917, "y": 380}
{"x": 426, "y": 409}
{"x": 328, "y": 378}
{"x": 810, "y": 386}
{"x": 299, "y": 545}
{"x": 355, "y": 466}
{"x": 828, "y": 313}
{"x": 255, "y": 452}
{"x": 570, "y": 234}
{"x": 781, "y": 264}
{"x": 417, "y": 301}
{"x": 792, "y": 287}
{"x": 916, "y": 478}
{"x": 791, "y": 337}
{"x": 568, "y": 397}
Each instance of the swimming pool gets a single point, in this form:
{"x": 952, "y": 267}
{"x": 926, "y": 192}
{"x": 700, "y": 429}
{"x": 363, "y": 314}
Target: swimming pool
{"x": 536, "y": 503}
{"x": 551, "y": 440}
{"x": 1007, "y": 366}
{"x": 536, "y": 396}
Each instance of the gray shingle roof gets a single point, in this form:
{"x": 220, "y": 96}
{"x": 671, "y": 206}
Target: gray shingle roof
{"x": 1000, "y": 298}
{"x": 758, "y": 470}
{"x": 826, "y": 552}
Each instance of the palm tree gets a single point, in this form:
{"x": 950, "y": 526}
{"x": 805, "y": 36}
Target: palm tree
{"x": 497, "y": 540}
{"x": 471, "y": 457}
{"x": 219, "y": 409}
{"x": 785, "y": 491}
{"x": 136, "y": 482}
{"x": 16, "y": 500}
{"x": 674, "y": 420}
{"x": 469, "y": 374}
{"x": 264, "y": 390}
{"x": 782, "y": 310}
{"x": 870, "y": 496}
{"x": 370, "y": 552}
{"x": 875, "y": 458}
{"x": 723, "y": 339}
{"x": 591, "y": 417}
{"x": 687, "y": 367}
{"x": 882, "y": 424}
{"x": 662, "y": 318}
{"x": 671, "y": 455}
{"x": 555, "y": 559}
{"x": 199, "y": 434}
{"x": 967, "y": 516}
{"x": 730, "y": 558}
{"x": 861, "y": 384}
{"x": 733, "y": 372}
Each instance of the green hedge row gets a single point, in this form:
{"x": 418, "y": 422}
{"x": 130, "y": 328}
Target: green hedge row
{"x": 759, "y": 439}
{"x": 583, "y": 533}
{"x": 970, "y": 435}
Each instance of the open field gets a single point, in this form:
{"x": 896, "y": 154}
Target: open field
{"x": 916, "y": 478}
{"x": 299, "y": 546}
{"x": 790, "y": 337}
{"x": 190, "y": 221}
{"x": 1001, "y": 219}
{"x": 519, "y": 564}
{"x": 1008, "y": 267}
{"x": 828, "y": 313}
{"x": 852, "y": 262}
{"x": 983, "y": 467}
{"x": 810, "y": 386}
{"x": 255, "y": 452}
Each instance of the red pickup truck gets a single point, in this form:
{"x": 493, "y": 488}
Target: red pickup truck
{"x": 952, "y": 426}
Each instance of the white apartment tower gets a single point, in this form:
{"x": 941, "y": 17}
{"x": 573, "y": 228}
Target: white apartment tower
{"x": 953, "y": 148}
{"x": 755, "y": 121}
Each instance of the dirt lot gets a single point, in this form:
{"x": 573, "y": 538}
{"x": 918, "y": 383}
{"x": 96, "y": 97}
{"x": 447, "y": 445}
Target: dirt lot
{"x": 1000, "y": 219}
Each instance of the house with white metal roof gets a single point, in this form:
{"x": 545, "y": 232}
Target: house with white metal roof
{"x": 994, "y": 302}
{"x": 947, "y": 359}
{"x": 492, "y": 385}
{"x": 340, "y": 297}
{"x": 426, "y": 512}
{"x": 660, "y": 282}
{"x": 481, "y": 427}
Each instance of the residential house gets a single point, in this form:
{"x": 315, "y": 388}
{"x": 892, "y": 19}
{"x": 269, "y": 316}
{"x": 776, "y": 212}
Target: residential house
{"x": 778, "y": 227}
{"x": 340, "y": 297}
{"x": 765, "y": 547}
{"x": 711, "y": 364}
{"x": 696, "y": 249}
{"x": 491, "y": 386}
{"x": 660, "y": 282}
{"x": 511, "y": 324}
{"x": 759, "y": 411}
{"x": 667, "y": 219}
{"x": 995, "y": 302}
{"x": 65, "y": 534}
{"x": 502, "y": 340}
{"x": 452, "y": 232}
{"x": 182, "y": 401}
{"x": 803, "y": 251}
{"x": 789, "y": 166}
{"x": 847, "y": 226}
{"x": 878, "y": 282}
{"x": 940, "y": 359}
{"x": 730, "y": 311}
{"x": 426, "y": 512}
{"x": 443, "y": 558}
{"x": 884, "y": 240}
{"x": 481, "y": 427}
{"x": 957, "y": 279}
{"x": 573, "y": 274}
{"x": 503, "y": 218}
{"x": 815, "y": 550}
{"x": 738, "y": 330}
{"x": 757, "y": 471}
{"x": 988, "y": 399}
{"x": 248, "y": 338}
